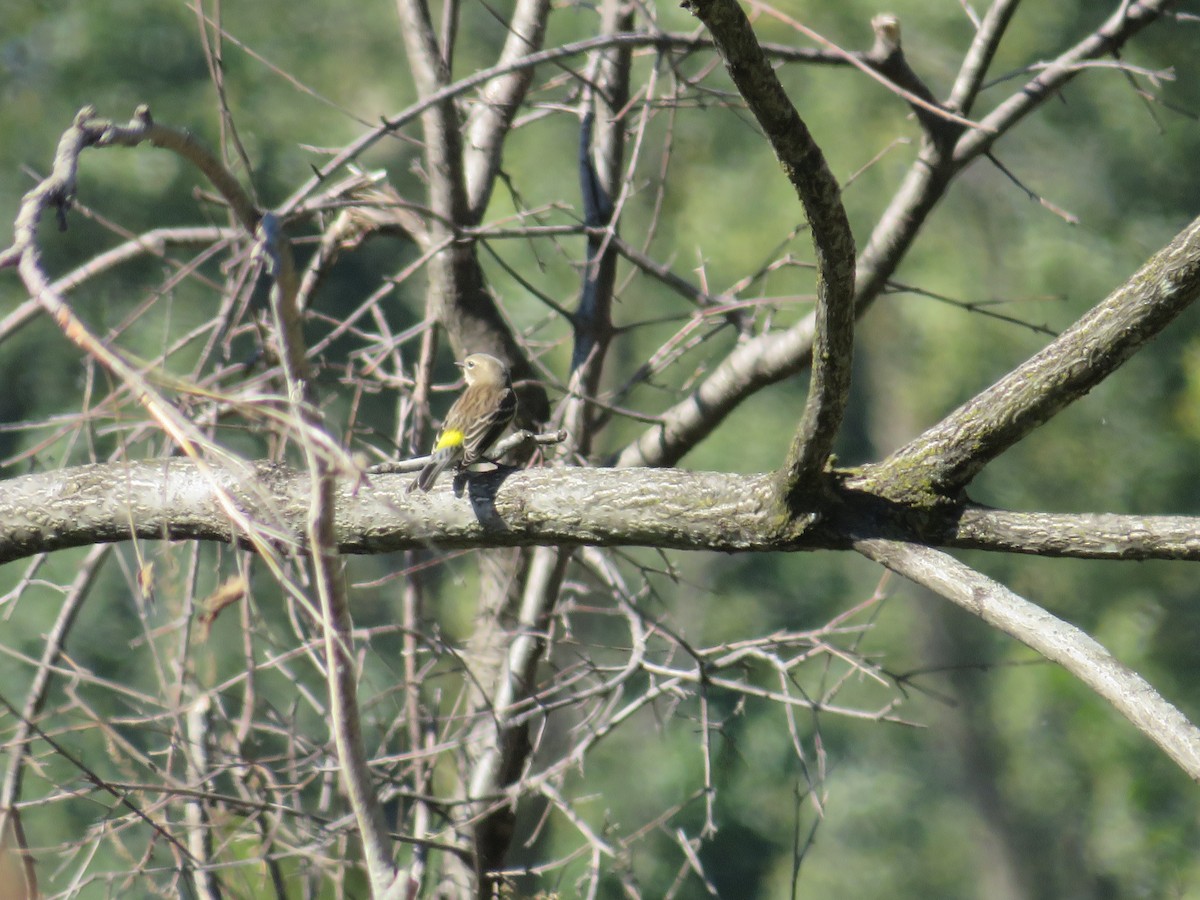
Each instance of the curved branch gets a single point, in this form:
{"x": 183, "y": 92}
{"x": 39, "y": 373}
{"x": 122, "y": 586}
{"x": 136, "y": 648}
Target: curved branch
{"x": 772, "y": 357}
{"x": 143, "y": 129}
{"x": 1053, "y": 638}
{"x": 833, "y": 243}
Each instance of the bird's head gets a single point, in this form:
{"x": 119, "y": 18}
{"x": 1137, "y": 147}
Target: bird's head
{"x": 484, "y": 368}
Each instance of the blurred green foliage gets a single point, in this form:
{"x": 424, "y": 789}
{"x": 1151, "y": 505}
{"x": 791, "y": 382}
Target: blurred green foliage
{"x": 1010, "y": 779}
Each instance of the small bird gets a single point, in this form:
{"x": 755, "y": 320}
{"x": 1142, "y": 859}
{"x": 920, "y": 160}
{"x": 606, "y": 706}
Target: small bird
{"x": 476, "y": 419}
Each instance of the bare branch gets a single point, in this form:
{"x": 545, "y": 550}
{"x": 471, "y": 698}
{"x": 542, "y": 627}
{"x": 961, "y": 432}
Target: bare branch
{"x": 979, "y": 57}
{"x": 1130, "y": 17}
{"x": 1078, "y": 535}
{"x": 1053, "y": 638}
{"x": 174, "y": 499}
{"x": 342, "y": 677}
{"x": 951, "y": 453}
{"x": 489, "y": 122}
{"x": 35, "y": 697}
{"x": 805, "y": 166}
{"x": 772, "y": 357}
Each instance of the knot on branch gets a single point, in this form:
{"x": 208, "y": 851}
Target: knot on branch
{"x": 886, "y": 57}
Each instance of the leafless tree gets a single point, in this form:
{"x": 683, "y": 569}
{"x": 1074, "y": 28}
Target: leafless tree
{"x": 409, "y": 762}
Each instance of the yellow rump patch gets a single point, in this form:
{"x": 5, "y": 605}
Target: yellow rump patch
{"x": 451, "y": 437}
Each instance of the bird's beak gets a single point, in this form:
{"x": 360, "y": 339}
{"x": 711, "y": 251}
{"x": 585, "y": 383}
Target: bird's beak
{"x": 461, "y": 365}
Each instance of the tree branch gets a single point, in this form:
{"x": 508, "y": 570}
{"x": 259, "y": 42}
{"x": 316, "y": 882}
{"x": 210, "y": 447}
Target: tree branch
{"x": 772, "y": 357}
{"x": 945, "y": 458}
{"x": 488, "y": 124}
{"x": 178, "y": 499}
{"x": 833, "y": 243}
{"x": 1077, "y": 535}
{"x": 1130, "y": 17}
{"x": 341, "y": 672}
{"x": 1051, "y": 637}
{"x": 979, "y": 57}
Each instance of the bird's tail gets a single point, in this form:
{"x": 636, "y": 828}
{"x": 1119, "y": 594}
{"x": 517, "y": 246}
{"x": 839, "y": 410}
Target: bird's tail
{"x": 438, "y": 463}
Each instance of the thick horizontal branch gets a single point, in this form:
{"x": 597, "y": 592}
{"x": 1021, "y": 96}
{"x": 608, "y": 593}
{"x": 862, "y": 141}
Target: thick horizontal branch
{"x": 180, "y": 499}
{"x": 1078, "y": 535}
{"x": 177, "y": 499}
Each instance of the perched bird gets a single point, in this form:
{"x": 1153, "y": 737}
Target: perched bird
{"x": 475, "y": 420}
